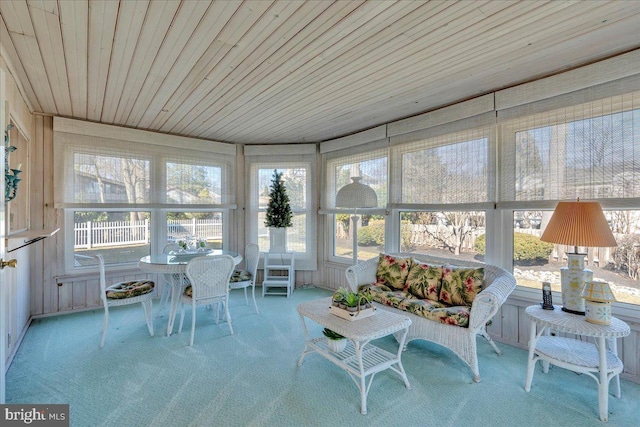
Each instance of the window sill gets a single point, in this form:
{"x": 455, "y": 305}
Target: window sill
{"x": 28, "y": 237}
{"x": 92, "y": 273}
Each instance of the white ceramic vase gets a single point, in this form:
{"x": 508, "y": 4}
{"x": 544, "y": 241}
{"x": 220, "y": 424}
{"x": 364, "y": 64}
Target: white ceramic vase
{"x": 573, "y": 277}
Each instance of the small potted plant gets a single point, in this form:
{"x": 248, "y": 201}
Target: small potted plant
{"x": 365, "y": 300}
{"x": 351, "y": 305}
{"x": 335, "y": 341}
{"x": 352, "y": 301}
{"x": 339, "y": 297}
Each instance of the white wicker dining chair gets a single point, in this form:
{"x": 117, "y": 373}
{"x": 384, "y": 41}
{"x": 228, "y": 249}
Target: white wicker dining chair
{"x": 166, "y": 289}
{"x": 242, "y": 279}
{"x": 209, "y": 277}
{"x": 123, "y": 293}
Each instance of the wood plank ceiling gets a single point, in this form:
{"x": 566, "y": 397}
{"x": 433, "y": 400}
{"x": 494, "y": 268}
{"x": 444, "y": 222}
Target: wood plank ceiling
{"x": 260, "y": 71}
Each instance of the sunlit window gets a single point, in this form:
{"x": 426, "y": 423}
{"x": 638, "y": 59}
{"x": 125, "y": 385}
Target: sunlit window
{"x": 536, "y": 261}
{"x": 452, "y": 234}
{"x": 120, "y": 237}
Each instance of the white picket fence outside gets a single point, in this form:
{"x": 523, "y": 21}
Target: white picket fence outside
{"x": 92, "y": 234}
{"x": 203, "y": 228}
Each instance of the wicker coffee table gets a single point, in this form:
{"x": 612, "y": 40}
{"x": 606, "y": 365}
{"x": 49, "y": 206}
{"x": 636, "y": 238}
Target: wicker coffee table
{"x": 360, "y": 359}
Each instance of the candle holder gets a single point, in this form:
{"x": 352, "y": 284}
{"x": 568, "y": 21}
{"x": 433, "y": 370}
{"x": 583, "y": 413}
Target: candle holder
{"x": 11, "y": 179}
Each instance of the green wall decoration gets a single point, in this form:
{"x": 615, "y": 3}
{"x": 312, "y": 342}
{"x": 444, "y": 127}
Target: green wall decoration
{"x": 11, "y": 179}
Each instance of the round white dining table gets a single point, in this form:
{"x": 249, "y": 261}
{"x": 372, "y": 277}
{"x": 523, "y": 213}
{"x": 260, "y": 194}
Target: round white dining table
{"x": 173, "y": 266}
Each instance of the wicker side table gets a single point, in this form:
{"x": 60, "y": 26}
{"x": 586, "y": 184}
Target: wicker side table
{"x": 360, "y": 359}
{"x": 600, "y": 360}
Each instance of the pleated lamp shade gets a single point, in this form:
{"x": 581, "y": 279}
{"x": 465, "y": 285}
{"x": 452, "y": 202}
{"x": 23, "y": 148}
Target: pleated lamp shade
{"x": 356, "y": 195}
{"x": 579, "y": 224}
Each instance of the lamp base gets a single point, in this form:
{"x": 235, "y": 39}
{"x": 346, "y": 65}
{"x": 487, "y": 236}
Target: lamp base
{"x": 598, "y": 313}
{"x": 572, "y": 280}
{"x": 573, "y": 311}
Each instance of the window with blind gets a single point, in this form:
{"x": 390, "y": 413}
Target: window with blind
{"x": 100, "y": 178}
{"x": 189, "y": 183}
{"x": 296, "y": 182}
{"x": 299, "y": 175}
{"x": 127, "y": 193}
{"x": 444, "y": 183}
{"x": 451, "y": 169}
{"x": 372, "y": 167}
{"x": 588, "y": 151}
{"x": 582, "y": 144}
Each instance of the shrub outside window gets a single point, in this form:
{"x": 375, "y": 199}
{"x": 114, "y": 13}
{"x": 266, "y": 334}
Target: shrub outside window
{"x": 372, "y": 167}
{"x": 536, "y": 261}
{"x": 445, "y": 234}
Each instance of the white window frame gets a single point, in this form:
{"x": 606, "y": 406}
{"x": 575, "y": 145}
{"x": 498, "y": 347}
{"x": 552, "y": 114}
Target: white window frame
{"x": 330, "y": 212}
{"x": 295, "y": 156}
{"x": 73, "y": 136}
{"x": 505, "y": 210}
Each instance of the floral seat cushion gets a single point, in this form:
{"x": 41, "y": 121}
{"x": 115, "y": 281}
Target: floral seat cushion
{"x": 129, "y": 289}
{"x": 385, "y": 295}
{"x": 240, "y": 276}
{"x": 432, "y": 310}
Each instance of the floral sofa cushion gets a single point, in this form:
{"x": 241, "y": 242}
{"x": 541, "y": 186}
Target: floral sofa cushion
{"x": 392, "y": 271}
{"x": 129, "y": 289}
{"x": 424, "y": 281}
{"x": 432, "y": 310}
{"x": 460, "y": 285}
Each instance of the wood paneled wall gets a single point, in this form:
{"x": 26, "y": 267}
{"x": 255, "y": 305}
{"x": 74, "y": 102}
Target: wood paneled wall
{"x": 16, "y": 280}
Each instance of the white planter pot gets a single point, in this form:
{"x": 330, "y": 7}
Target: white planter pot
{"x": 277, "y": 239}
{"x": 337, "y": 345}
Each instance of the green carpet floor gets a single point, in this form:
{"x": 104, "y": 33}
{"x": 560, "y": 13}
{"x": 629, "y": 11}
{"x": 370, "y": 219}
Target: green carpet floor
{"x": 252, "y": 378}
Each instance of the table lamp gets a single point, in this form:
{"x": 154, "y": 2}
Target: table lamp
{"x": 356, "y": 196}
{"x": 577, "y": 224}
{"x": 598, "y": 298}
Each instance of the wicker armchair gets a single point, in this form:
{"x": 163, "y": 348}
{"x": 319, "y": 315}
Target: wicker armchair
{"x": 462, "y": 341}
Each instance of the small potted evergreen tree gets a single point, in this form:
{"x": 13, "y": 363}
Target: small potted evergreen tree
{"x": 278, "y": 216}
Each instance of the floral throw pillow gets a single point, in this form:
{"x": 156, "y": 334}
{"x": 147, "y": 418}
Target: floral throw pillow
{"x": 424, "y": 281}
{"x": 460, "y": 285}
{"x": 393, "y": 271}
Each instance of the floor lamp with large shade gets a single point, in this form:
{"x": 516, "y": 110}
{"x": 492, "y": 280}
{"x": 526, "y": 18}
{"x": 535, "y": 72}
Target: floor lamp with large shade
{"x": 577, "y": 224}
{"x": 356, "y": 196}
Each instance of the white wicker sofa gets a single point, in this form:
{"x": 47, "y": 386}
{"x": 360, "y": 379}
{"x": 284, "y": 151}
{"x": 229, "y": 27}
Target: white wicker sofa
{"x": 498, "y": 284}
